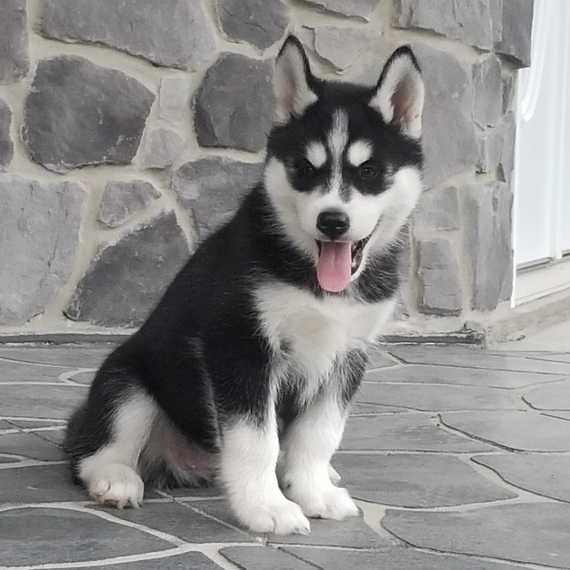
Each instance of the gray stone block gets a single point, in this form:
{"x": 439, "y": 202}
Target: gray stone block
{"x": 464, "y": 357}
{"x": 438, "y": 209}
{"x": 350, "y": 533}
{"x": 69, "y": 97}
{"x": 259, "y": 22}
{"x": 64, "y": 535}
{"x": 465, "y": 20}
{"x": 488, "y": 219}
{"x": 54, "y": 402}
{"x": 160, "y": 148}
{"x": 395, "y": 558}
{"x": 14, "y": 56}
{"x": 496, "y": 10}
{"x": 30, "y": 446}
{"x": 173, "y": 98}
{"x": 545, "y": 475}
{"x": 449, "y": 140}
{"x": 61, "y": 358}
{"x": 213, "y": 187}
{"x": 40, "y": 233}
{"x": 551, "y": 397}
{"x": 525, "y": 533}
{"x": 56, "y": 436}
{"x": 400, "y": 480}
{"x": 513, "y": 429}
{"x": 506, "y": 209}
{"x": 487, "y": 90}
{"x": 357, "y": 409}
{"x": 508, "y": 90}
{"x": 404, "y": 432}
{"x": 436, "y": 398}
{"x": 330, "y": 43}
{"x": 404, "y": 266}
{"x": 378, "y": 358}
{"x": 126, "y": 280}
{"x": 458, "y": 376}
{"x": 25, "y": 372}
{"x": 490, "y": 149}
{"x": 173, "y": 33}
{"x": 123, "y": 199}
{"x": 38, "y": 484}
{"x": 549, "y": 356}
{"x": 262, "y": 558}
{"x": 516, "y": 28}
{"x": 183, "y": 521}
{"x": 358, "y": 8}
{"x": 6, "y": 144}
{"x": 27, "y": 423}
{"x": 507, "y": 160}
{"x": 234, "y": 104}
{"x": 440, "y": 283}
{"x": 84, "y": 377}
{"x": 187, "y": 561}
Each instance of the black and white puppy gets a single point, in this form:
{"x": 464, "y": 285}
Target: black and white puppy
{"x": 246, "y": 367}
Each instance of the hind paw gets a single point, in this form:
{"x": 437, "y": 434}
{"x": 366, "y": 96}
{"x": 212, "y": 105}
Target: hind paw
{"x": 118, "y": 486}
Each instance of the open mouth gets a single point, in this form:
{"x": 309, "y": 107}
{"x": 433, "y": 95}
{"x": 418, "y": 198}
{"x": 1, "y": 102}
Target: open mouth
{"x": 357, "y": 251}
{"x": 337, "y": 262}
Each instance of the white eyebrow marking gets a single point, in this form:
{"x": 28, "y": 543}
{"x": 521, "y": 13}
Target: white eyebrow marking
{"x": 359, "y": 152}
{"x": 316, "y": 154}
{"x": 337, "y": 140}
{"x": 338, "y": 137}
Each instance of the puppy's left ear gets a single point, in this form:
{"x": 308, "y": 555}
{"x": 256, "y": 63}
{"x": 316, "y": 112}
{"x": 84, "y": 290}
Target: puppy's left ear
{"x": 399, "y": 95}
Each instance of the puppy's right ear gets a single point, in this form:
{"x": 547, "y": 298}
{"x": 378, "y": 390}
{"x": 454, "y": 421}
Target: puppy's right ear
{"x": 293, "y": 81}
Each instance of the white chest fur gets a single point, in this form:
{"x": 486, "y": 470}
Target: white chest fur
{"x": 316, "y": 331}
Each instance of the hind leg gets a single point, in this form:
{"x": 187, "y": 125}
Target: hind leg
{"x": 110, "y": 474}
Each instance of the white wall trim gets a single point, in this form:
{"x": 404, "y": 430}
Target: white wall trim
{"x": 534, "y": 283}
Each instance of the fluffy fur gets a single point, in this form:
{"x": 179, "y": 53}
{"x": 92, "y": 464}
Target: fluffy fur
{"x": 246, "y": 368}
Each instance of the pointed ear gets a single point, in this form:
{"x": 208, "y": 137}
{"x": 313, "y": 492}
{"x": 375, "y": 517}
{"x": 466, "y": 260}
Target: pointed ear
{"x": 399, "y": 95}
{"x": 292, "y": 81}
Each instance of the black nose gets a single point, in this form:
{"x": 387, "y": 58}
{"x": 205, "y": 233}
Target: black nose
{"x": 333, "y": 223}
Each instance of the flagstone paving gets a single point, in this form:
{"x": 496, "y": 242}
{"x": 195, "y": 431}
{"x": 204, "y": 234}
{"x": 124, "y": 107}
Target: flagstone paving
{"x": 458, "y": 457}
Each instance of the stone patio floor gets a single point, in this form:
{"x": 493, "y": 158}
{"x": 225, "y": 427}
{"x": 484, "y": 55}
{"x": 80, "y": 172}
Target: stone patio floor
{"x": 459, "y": 459}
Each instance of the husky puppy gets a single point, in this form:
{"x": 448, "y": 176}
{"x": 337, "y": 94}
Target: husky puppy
{"x": 246, "y": 367}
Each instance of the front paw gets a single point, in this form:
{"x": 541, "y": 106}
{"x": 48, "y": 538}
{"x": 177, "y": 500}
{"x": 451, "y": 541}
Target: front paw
{"x": 329, "y": 503}
{"x": 334, "y": 475}
{"x": 282, "y": 517}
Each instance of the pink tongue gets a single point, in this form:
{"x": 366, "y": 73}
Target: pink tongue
{"x": 334, "y": 265}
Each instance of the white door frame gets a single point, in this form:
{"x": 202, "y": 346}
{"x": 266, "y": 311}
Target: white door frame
{"x": 543, "y": 268}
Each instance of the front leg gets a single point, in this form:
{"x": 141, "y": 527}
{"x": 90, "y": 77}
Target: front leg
{"x": 248, "y": 462}
{"x": 239, "y": 366}
{"x": 308, "y": 445}
{"x": 310, "y": 441}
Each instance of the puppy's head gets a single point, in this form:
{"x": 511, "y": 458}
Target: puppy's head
{"x": 344, "y": 161}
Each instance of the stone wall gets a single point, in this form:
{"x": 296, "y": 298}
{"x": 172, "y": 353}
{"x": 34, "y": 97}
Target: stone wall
{"x": 130, "y": 129}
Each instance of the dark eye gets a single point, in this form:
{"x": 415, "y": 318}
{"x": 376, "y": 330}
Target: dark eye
{"x": 367, "y": 171}
{"x": 307, "y": 170}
